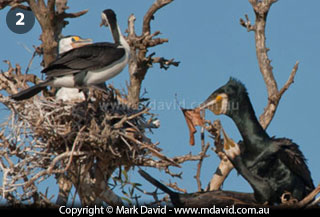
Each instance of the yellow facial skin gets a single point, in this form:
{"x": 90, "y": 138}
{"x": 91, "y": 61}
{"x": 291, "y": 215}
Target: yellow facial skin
{"x": 217, "y": 106}
{"x": 78, "y": 42}
{"x": 76, "y": 38}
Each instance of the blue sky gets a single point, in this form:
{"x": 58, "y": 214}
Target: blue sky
{"x": 211, "y": 45}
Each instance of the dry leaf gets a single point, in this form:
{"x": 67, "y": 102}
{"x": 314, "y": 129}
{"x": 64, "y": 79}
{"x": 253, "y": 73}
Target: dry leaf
{"x": 193, "y": 118}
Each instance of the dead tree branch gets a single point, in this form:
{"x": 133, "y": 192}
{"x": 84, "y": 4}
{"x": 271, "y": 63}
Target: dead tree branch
{"x": 13, "y": 4}
{"x": 139, "y": 62}
{"x": 309, "y": 198}
{"x": 261, "y": 9}
{"x": 203, "y": 155}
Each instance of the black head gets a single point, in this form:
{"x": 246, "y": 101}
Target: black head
{"x": 108, "y": 17}
{"x": 226, "y": 98}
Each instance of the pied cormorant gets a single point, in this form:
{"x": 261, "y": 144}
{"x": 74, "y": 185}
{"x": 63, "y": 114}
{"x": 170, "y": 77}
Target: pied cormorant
{"x": 86, "y": 66}
{"x": 272, "y": 166}
{"x": 65, "y": 44}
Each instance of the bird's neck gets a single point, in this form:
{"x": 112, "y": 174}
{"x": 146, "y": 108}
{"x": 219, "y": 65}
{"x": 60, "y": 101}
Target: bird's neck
{"x": 253, "y": 135}
{"x": 118, "y": 37}
{"x": 123, "y": 41}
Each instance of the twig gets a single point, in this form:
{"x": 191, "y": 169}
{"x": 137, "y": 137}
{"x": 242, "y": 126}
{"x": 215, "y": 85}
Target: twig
{"x": 70, "y": 153}
{"x": 158, "y": 4}
{"x": 164, "y": 63}
{"x": 12, "y": 3}
{"x": 152, "y": 150}
{"x": 204, "y": 149}
{"x": 125, "y": 118}
{"x": 36, "y": 51}
{"x": 290, "y": 80}
{"x": 247, "y": 24}
{"x": 64, "y": 15}
{"x": 176, "y": 187}
{"x": 314, "y": 203}
{"x": 49, "y": 171}
{"x": 309, "y": 197}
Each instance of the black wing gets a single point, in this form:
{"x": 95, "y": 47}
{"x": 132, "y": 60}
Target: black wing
{"x": 88, "y": 57}
{"x": 293, "y": 158}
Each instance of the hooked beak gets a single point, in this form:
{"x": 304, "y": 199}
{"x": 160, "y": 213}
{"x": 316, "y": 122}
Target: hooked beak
{"x": 205, "y": 105}
{"x": 81, "y": 42}
{"x": 104, "y": 21}
{"x": 218, "y": 104}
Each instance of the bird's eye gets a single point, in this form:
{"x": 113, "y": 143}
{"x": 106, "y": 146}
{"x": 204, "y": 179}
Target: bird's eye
{"x": 74, "y": 39}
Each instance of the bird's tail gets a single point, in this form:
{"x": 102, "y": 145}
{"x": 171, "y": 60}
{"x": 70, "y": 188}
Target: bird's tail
{"x": 155, "y": 182}
{"x": 30, "y": 92}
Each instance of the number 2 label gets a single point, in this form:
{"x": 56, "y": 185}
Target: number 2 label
{"x": 19, "y": 22}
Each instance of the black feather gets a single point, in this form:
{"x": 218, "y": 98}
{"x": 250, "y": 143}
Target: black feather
{"x": 86, "y": 58}
{"x": 30, "y": 92}
{"x": 292, "y": 157}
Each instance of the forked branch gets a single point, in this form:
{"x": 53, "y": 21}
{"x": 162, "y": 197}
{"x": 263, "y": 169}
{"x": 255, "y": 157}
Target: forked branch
{"x": 140, "y": 62}
{"x": 261, "y": 9}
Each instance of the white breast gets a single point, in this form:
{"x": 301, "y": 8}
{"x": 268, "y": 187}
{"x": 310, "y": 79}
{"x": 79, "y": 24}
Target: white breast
{"x": 64, "y": 81}
{"x": 106, "y": 73}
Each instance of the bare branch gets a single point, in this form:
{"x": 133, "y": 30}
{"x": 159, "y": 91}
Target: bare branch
{"x": 153, "y": 151}
{"x": 158, "y": 4}
{"x": 309, "y": 197}
{"x": 12, "y": 3}
{"x": 61, "y": 6}
{"x": 72, "y": 15}
{"x": 176, "y": 187}
{"x": 247, "y": 24}
{"x": 50, "y": 6}
{"x": 204, "y": 149}
{"x": 290, "y": 80}
{"x": 163, "y": 62}
{"x": 131, "y": 26}
{"x": 261, "y": 9}
{"x": 139, "y": 63}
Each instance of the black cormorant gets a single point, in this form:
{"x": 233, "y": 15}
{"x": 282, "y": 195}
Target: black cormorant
{"x": 272, "y": 166}
{"x": 86, "y": 66}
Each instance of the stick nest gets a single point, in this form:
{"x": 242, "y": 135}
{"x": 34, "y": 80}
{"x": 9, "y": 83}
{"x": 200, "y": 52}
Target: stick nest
{"x": 44, "y": 136}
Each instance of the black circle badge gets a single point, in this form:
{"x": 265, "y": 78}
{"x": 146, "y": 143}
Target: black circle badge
{"x": 20, "y": 21}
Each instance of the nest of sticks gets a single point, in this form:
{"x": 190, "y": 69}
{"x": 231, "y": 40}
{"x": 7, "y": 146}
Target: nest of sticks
{"x": 44, "y": 136}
